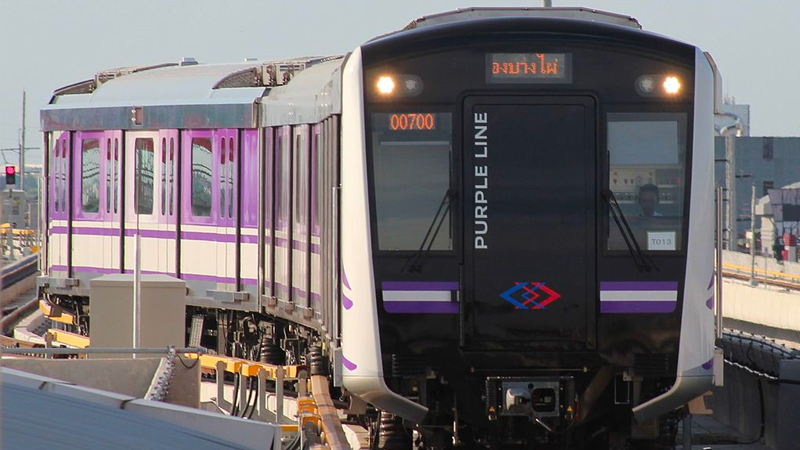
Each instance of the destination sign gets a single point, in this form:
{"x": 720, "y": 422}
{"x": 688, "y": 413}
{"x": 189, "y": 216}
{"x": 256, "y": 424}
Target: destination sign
{"x": 528, "y": 68}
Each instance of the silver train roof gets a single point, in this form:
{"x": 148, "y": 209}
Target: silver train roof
{"x": 238, "y": 95}
{"x": 192, "y": 95}
{"x": 577, "y": 13}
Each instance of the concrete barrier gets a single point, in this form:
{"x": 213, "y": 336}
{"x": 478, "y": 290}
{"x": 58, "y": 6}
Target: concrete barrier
{"x": 738, "y": 405}
{"x": 10, "y": 293}
{"x": 129, "y": 377}
{"x": 766, "y": 306}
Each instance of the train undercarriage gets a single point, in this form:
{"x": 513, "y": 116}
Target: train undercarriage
{"x": 545, "y": 409}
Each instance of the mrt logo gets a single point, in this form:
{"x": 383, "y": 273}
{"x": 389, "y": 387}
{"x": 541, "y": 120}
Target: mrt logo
{"x": 530, "y": 295}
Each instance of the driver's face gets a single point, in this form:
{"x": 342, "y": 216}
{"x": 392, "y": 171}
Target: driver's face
{"x": 648, "y": 202}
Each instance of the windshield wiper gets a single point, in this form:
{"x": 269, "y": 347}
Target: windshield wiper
{"x": 414, "y": 262}
{"x": 643, "y": 262}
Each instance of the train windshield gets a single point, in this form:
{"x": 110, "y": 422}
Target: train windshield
{"x": 412, "y": 171}
{"x": 647, "y": 173}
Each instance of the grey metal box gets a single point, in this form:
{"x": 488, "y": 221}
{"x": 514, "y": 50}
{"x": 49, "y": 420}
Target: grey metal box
{"x": 162, "y": 312}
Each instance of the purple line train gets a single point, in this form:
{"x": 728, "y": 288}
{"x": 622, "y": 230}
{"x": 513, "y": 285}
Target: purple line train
{"x": 494, "y": 226}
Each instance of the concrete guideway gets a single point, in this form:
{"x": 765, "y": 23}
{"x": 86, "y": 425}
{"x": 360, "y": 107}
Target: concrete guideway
{"x": 89, "y": 418}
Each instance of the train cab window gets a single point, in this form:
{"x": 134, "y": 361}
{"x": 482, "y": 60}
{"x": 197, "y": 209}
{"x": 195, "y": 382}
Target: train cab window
{"x": 201, "y": 177}
{"x": 647, "y": 172}
{"x": 90, "y": 175}
{"x": 144, "y": 179}
{"x": 412, "y": 167}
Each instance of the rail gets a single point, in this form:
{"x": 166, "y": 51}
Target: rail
{"x": 18, "y": 270}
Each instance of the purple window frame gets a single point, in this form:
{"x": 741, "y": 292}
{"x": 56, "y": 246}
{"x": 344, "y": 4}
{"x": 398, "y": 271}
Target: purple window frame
{"x": 77, "y": 177}
{"x": 59, "y": 181}
{"x": 316, "y": 137}
{"x": 188, "y": 217}
{"x": 249, "y": 184}
{"x": 283, "y": 135}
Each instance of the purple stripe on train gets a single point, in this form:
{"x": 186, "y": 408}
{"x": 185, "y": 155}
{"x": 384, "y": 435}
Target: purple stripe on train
{"x": 187, "y": 235}
{"x": 420, "y": 285}
{"x": 349, "y": 365}
{"x": 421, "y": 307}
{"x": 346, "y": 302}
{"x": 344, "y": 278}
{"x": 638, "y": 285}
{"x": 420, "y": 297}
{"x": 631, "y": 297}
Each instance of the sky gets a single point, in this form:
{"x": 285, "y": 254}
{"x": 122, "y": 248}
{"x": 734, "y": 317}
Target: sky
{"x": 46, "y": 44}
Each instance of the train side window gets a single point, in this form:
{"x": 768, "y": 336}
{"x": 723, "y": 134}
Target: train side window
{"x": 171, "y": 174}
{"x": 315, "y": 184}
{"x": 222, "y": 175}
{"x": 164, "y": 191}
{"x": 55, "y": 167}
{"x": 108, "y": 175}
{"x": 299, "y": 182}
{"x": 144, "y": 182}
{"x": 647, "y": 154}
{"x": 201, "y": 177}
{"x": 65, "y": 149}
{"x": 282, "y": 186}
{"x": 90, "y": 175}
{"x": 116, "y": 174}
{"x": 230, "y": 176}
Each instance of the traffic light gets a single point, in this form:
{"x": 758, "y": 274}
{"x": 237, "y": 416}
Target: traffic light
{"x": 11, "y": 175}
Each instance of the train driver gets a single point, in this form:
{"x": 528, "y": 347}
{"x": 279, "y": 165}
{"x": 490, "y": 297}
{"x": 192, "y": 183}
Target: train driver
{"x": 648, "y": 199}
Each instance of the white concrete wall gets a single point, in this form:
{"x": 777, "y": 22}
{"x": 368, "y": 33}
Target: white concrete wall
{"x": 762, "y": 305}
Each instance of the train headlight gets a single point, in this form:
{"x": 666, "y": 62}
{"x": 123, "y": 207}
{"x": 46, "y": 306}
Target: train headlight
{"x": 672, "y": 85}
{"x": 385, "y": 85}
{"x": 646, "y": 84}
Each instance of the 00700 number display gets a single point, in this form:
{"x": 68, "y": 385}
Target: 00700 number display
{"x": 412, "y": 121}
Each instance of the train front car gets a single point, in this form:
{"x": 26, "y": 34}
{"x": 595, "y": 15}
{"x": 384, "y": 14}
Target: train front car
{"x": 527, "y": 220}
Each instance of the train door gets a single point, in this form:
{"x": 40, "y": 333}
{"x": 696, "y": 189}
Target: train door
{"x": 111, "y": 203}
{"x": 87, "y": 205}
{"x": 529, "y": 202}
{"x": 315, "y": 287}
{"x": 282, "y": 237}
{"x": 299, "y": 240}
{"x": 141, "y": 208}
{"x": 227, "y": 157}
{"x": 166, "y": 211}
{"x": 249, "y": 210}
{"x": 58, "y": 225}
{"x": 268, "y": 205}
{"x": 198, "y": 255}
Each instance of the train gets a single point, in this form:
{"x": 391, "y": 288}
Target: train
{"x": 493, "y": 227}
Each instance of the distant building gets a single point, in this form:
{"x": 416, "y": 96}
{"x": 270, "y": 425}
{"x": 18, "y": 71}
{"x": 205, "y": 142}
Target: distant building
{"x": 767, "y": 163}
